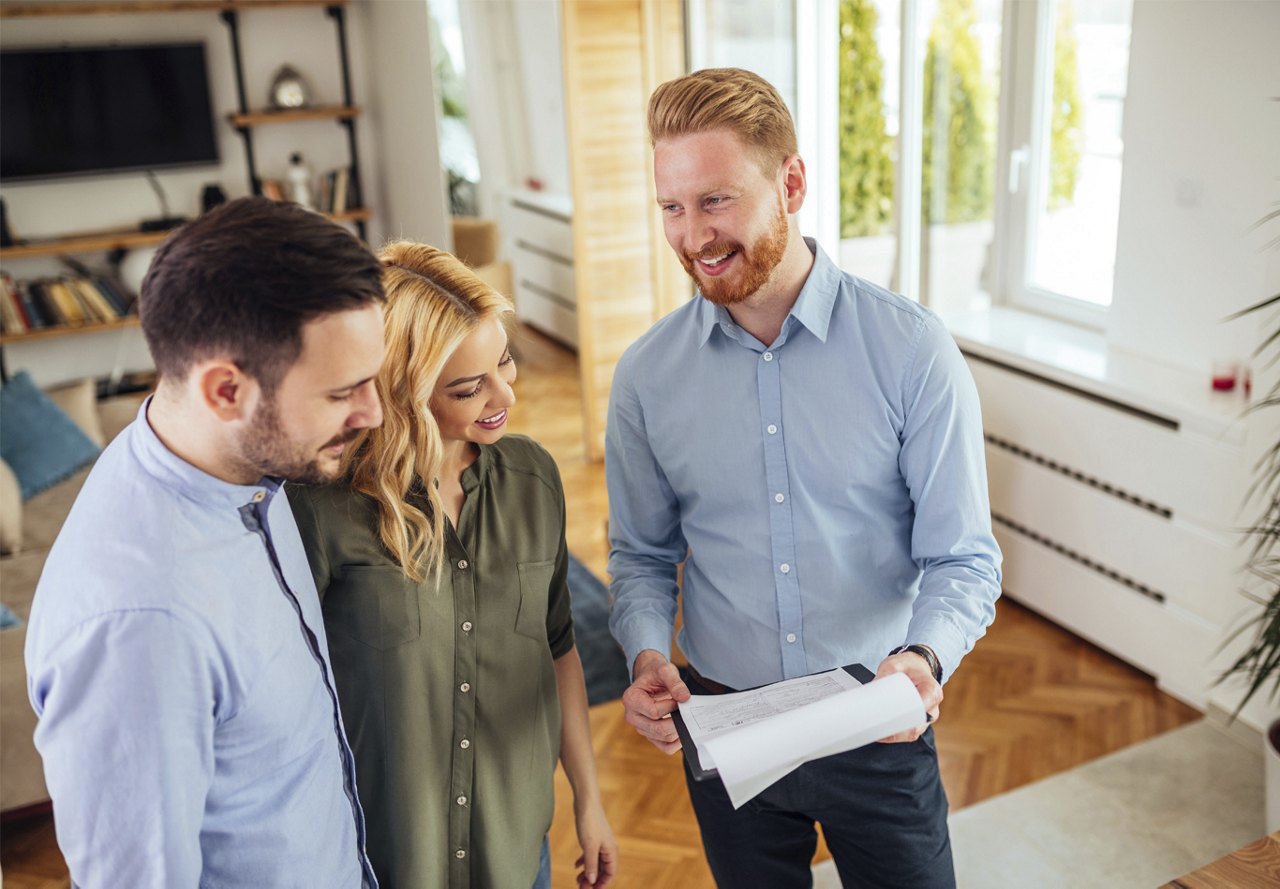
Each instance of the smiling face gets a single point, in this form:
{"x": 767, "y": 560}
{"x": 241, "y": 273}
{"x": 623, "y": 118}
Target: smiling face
{"x": 299, "y": 432}
{"x": 471, "y": 398}
{"x": 723, "y": 215}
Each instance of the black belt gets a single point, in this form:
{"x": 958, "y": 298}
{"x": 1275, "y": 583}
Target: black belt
{"x": 710, "y": 685}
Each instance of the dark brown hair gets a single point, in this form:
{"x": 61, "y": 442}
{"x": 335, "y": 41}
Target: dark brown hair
{"x": 243, "y": 279}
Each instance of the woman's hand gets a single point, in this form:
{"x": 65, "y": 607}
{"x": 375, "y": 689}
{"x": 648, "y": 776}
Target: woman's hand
{"x": 598, "y": 862}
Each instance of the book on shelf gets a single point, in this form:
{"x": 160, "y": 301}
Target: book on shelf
{"x": 64, "y": 302}
{"x": 341, "y": 184}
{"x": 118, "y": 297}
{"x": 41, "y": 298}
{"x": 97, "y": 306}
{"x": 69, "y": 300}
{"x": 38, "y": 315}
{"x": 12, "y": 319}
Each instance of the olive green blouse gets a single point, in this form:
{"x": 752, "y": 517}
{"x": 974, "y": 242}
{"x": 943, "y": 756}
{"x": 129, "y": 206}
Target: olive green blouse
{"x": 449, "y": 694}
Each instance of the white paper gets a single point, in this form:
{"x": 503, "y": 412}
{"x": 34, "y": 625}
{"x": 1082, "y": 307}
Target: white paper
{"x": 756, "y": 737}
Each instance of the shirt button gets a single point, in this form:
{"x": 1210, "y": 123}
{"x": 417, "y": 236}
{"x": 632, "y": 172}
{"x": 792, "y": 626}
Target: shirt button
{"x": 464, "y": 687}
{"x": 784, "y": 568}
{"x": 460, "y": 854}
{"x": 768, "y": 356}
{"x": 466, "y": 626}
{"x": 464, "y": 743}
{"x": 462, "y": 800}
{"x": 258, "y": 496}
{"x": 462, "y": 564}
{"x": 779, "y": 497}
{"x": 773, "y": 430}
{"x": 791, "y": 637}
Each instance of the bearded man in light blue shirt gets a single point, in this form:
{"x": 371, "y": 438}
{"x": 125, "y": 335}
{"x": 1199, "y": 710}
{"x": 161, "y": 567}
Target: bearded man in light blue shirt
{"x": 810, "y": 446}
{"x": 176, "y": 654}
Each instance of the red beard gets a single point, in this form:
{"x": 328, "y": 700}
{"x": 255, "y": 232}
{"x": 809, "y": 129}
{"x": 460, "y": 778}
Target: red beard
{"x": 758, "y": 264}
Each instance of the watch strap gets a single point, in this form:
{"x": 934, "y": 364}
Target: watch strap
{"x": 935, "y": 666}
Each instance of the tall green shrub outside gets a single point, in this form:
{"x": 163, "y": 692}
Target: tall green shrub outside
{"x": 958, "y": 168}
{"x": 1067, "y": 122}
{"x": 866, "y": 151}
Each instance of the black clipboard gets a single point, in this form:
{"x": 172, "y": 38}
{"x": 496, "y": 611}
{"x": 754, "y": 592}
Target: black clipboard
{"x": 857, "y": 671}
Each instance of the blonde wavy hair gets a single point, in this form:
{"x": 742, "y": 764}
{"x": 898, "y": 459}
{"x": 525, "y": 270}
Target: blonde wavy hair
{"x": 433, "y": 303}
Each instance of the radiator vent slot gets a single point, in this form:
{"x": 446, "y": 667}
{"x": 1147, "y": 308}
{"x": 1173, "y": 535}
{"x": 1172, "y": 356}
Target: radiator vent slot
{"x": 1105, "y": 487}
{"x": 1084, "y": 560}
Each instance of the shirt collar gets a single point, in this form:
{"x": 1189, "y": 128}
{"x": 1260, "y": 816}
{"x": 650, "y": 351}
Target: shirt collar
{"x": 195, "y": 484}
{"x": 812, "y": 307}
{"x": 475, "y": 474}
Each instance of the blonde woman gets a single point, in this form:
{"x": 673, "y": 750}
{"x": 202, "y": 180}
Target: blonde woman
{"x": 441, "y": 567}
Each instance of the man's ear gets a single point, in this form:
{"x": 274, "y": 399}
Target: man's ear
{"x": 794, "y": 183}
{"x": 225, "y": 390}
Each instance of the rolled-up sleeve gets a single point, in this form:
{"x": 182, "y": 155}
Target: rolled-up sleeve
{"x": 943, "y": 462}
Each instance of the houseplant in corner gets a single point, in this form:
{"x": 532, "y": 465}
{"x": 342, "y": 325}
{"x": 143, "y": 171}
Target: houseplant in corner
{"x": 1259, "y": 663}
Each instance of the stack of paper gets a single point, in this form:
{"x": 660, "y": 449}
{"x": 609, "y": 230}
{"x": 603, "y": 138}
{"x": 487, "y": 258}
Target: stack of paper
{"x": 753, "y": 738}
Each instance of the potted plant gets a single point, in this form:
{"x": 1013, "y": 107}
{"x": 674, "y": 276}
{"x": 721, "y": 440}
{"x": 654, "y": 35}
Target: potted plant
{"x": 1259, "y": 663}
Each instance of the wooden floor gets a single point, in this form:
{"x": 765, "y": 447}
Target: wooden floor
{"x": 1030, "y": 701}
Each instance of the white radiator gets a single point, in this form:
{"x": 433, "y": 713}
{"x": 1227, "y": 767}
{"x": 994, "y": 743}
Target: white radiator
{"x": 538, "y": 241}
{"x": 1116, "y": 522}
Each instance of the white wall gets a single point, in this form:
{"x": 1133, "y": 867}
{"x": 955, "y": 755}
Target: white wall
{"x": 403, "y": 113}
{"x": 1201, "y": 164}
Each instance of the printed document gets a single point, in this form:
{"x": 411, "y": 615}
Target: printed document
{"x": 753, "y": 738}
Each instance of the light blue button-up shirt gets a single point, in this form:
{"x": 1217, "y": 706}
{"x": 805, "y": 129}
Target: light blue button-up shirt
{"x": 176, "y": 657}
{"x": 829, "y": 488}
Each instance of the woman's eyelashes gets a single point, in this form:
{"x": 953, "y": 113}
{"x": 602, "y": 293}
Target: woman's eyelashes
{"x": 507, "y": 359}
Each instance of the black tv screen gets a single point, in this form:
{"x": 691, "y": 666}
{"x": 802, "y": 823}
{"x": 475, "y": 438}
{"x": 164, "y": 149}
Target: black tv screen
{"x": 82, "y": 110}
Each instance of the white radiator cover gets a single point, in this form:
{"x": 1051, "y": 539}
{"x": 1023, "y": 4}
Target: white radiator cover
{"x": 537, "y": 232}
{"x": 1116, "y": 521}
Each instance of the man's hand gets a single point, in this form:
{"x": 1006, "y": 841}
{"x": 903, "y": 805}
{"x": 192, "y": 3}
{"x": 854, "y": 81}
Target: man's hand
{"x": 917, "y": 670}
{"x": 652, "y": 696}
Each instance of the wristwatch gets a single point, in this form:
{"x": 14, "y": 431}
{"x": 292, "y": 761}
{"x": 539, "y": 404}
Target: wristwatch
{"x": 935, "y": 667}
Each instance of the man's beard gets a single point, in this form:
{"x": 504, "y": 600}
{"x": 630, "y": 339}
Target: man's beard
{"x": 758, "y": 264}
{"x": 266, "y": 450}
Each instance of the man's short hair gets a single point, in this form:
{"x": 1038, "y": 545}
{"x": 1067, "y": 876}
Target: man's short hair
{"x": 243, "y": 279}
{"x": 725, "y": 99}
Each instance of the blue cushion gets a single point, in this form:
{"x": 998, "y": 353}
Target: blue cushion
{"x": 39, "y": 442}
{"x": 8, "y": 618}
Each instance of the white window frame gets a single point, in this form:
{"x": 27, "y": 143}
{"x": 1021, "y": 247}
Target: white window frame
{"x": 1024, "y": 141}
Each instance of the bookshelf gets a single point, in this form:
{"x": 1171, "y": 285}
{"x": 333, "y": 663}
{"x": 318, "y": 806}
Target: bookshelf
{"x": 87, "y": 243}
{"x": 50, "y": 333}
{"x": 243, "y": 120}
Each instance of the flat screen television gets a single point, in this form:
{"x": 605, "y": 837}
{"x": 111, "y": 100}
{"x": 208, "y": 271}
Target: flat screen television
{"x": 105, "y": 109}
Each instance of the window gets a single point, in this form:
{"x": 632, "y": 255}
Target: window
{"x": 457, "y": 144}
{"x": 980, "y": 145}
{"x": 1066, "y": 180}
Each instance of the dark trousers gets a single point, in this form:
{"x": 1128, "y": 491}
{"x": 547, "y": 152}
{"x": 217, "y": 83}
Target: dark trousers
{"x": 882, "y": 809}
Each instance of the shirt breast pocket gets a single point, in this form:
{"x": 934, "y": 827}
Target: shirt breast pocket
{"x": 535, "y": 585}
{"x": 375, "y": 605}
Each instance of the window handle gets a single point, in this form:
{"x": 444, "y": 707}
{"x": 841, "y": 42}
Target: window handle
{"x": 1018, "y": 159}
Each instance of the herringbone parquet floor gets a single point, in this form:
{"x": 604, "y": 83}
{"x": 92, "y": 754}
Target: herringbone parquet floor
{"x": 1030, "y": 701}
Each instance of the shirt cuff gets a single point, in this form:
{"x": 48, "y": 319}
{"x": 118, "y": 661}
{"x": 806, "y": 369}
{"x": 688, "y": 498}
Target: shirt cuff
{"x": 638, "y": 639}
{"x": 948, "y": 642}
